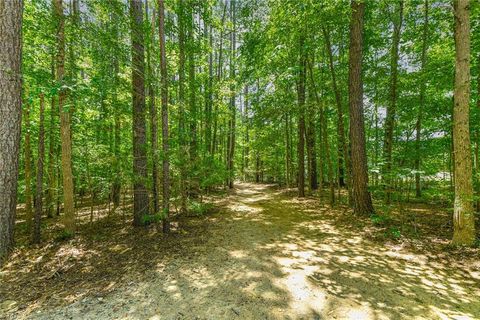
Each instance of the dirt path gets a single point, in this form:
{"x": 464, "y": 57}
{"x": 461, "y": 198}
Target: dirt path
{"x": 265, "y": 255}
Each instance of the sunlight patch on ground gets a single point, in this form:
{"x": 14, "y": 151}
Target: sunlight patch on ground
{"x": 358, "y": 315}
{"x": 239, "y": 207}
{"x": 238, "y": 254}
{"x": 446, "y": 315}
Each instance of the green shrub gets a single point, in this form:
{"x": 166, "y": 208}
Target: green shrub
{"x": 196, "y": 208}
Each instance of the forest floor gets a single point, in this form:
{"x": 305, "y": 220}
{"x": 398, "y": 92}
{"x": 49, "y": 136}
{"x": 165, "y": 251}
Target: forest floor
{"x": 261, "y": 253}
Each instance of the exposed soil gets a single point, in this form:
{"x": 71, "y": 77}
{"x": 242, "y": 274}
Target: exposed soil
{"x": 263, "y": 254}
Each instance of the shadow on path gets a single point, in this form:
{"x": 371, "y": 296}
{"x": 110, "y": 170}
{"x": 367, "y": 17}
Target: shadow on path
{"x": 265, "y": 255}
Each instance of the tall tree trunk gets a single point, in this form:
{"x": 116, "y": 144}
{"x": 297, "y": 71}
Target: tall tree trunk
{"x": 209, "y": 92}
{"x": 376, "y": 145}
{"x": 219, "y": 78}
{"x": 287, "y": 151}
{"x": 247, "y": 134}
{"x": 68, "y": 219}
{"x": 140, "y": 193}
{"x": 181, "y": 102}
{"x": 164, "y": 94}
{"x": 326, "y": 146}
{"x": 421, "y": 106}
{"x": 28, "y": 170}
{"x": 191, "y": 87}
{"x": 301, "y": 119}
{"x": 257, "y": 167}
{"x": 116, "y": 183}
{"x": 321, "y": 149}
{"x": 361, "y": 197}
{"x": 463, "y": 216}
{"x": 231, "y": 129}
{"x": 324, "y": 137}
{"x": 41, "y": 159}
{"x": 50, "y": 204}
{"x": 392, "y": 106}
{"x": 10, "y": 121}
{"x": 477, "y": 164}
{"x": 342, "y": 143}
{"x": 153, "y": 115}
{"x": 311, "y": 153}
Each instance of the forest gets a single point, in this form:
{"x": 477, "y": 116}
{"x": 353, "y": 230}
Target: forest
{"x": 239, "y": 159}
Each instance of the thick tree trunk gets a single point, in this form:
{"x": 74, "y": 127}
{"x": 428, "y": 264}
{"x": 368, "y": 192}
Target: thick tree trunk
{"x": 41, "y": 159}
{"x": 421, "y": 106}
{"x": 392, "y": 106}
{"x": 361, "y": 197}
{"x": 301, "y": 119}
{"x": 463, "y": 216}
{"x": 10, "y": 121}
{"x": 164, "y": 94}
{"x": 140, "y": 193}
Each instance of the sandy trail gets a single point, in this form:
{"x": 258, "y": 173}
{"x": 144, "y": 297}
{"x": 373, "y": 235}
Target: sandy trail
{"x": 265, "y": 255}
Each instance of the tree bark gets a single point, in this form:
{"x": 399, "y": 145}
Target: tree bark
{"x": 219, "y": 77}
{"x": 361, "y": 197}
{"x": 164, "y": 101}
{"x": 463, "y": 216}
{"x": 326, "y": 146}
{"x": 301, "y": 119}
{"x": 181, "y": 102}
{"x": 140, "y": 193}
{"x": 477, "y": 164}
{"x": 324, "y": 138}
{"x": 117, "y": 182}
{"x": 27, "y": 153}
{"x": 311, "y": 152}
{"x": 209, "y": 93}
{"x": 50, "y": 203}
{"x": 10, "y": 119}
{"x": 342, "y": 143}
{"x": 287, "y": 150}
{"x": 192, "y": 91}
{"x": 68, "y": 219}
{"x": 153, "y": 115}
{"x": 392, "y": 106}
{"x": 232, "y": 120}
{"x": 246, "y": 119}
{"x": 421, "y": 106}
{"x": 40, "y": 161}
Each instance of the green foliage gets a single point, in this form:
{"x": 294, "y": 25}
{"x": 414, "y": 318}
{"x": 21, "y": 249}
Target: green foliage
{"x": 380, "y": 219}
{"x": 64, "y": 235}
{"x": 197, "y": 208}
{"x": 394, "y": 233}
{"x": 98, "y": 71}
{"x": 152, "y": 218}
